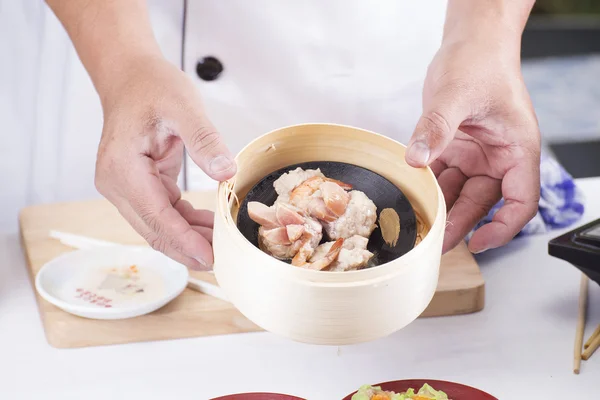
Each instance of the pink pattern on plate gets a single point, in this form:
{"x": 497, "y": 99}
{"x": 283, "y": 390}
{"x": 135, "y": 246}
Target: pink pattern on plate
{"x": 92, "y": 298}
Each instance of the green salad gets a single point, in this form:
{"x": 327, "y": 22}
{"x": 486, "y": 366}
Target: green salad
{"x": 368, "y": 392}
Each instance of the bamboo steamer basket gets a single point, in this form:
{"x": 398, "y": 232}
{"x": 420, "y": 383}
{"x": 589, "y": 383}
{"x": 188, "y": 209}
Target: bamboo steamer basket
{"x": 324, "y": 307}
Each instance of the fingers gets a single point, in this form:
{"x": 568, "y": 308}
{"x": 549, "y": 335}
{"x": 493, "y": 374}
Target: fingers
{"x": 479, "y": 194}
{"x": 437, "y": 167}
{"x": 204, "y": 231}
{"x": 206, "y": 148}
{"x": 195, "y": 217}
{"x": 521, "y": 192}
{"x": 143, "y": 230}
{"x": 200, "y": 221}
{"x": 441, "y": 118}
{"x": 167, "y": 229}
{"x": 451, "y": 181}
{"x": 139, "y": 159}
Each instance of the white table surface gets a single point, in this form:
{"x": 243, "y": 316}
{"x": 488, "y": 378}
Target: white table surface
{"x": 520, "y": 346}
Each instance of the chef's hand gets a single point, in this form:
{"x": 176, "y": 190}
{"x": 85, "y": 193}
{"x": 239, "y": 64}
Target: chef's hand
{"x": 479, "y": 132}
{"x": 150, "y": 114}
{"x": 151, "y": 111}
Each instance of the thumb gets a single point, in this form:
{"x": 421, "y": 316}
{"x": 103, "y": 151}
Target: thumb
{"x": 441, "y": 118}
{"x": 207, "y": 149}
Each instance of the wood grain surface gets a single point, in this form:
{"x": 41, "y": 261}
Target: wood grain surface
{"x": 460, "y": 289}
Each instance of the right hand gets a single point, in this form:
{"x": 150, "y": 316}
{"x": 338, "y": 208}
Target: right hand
{"x": 150, "y": 113}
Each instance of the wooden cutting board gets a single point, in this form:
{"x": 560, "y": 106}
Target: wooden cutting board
{"x": 192, "y": 314}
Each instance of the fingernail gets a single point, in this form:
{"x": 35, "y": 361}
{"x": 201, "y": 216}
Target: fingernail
{"x": 220, "y": 164}
{"x": 419, "y": 152}
{"x": 205, "y": 265}
{"x": 480, "y": 251}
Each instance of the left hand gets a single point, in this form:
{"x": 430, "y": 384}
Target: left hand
{"x": 480, "y": 135}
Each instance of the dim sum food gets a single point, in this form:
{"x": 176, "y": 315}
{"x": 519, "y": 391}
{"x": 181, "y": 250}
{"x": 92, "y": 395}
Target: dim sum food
{"x": 324, "y": 216}
{"x": 426, "y": 392}
{"x": 419, "y": 389}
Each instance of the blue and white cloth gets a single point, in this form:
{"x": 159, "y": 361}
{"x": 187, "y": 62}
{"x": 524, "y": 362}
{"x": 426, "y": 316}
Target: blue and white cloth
{"x": 561, "y": 201}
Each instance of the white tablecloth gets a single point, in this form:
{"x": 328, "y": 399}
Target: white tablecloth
{"x": 520, "y": 346}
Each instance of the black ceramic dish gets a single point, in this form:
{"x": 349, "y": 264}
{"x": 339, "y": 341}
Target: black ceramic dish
{"x": 381, "y": 191}
{"x": 581, "y": 248}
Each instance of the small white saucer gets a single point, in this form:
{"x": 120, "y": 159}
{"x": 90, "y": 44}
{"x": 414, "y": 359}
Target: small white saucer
{"x": 111, "y": 282}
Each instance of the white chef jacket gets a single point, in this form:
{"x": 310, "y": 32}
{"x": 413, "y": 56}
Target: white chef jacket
{"x": 353, "y": 62}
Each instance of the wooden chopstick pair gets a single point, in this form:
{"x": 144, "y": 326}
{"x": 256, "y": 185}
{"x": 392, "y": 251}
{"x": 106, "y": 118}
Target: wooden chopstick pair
{"x": 584, "y": 351}
{"x": 592, "y": 344}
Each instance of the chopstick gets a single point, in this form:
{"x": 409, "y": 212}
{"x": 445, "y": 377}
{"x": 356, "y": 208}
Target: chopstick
{"x": 78, "y": 241}
{"x": 594, "y": 344}
{"x": 589, "y": 341}
{"x": 206, "y": 288}
{"x": 583, "y": 300}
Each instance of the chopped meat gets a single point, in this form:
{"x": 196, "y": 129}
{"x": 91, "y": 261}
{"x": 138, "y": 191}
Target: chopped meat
{"x": 353, "y": 254}
{"x": 291, "y": 180}
{"x": 358, "y": 219}
{"x": 283, "y": 230}
{"x": 307, "y": 203}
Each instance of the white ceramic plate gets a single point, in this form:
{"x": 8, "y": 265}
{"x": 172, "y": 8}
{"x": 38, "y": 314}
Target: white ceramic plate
{"x": 100, "y": 283}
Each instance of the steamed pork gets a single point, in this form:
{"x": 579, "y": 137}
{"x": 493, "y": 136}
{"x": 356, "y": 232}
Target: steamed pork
{"x": 353, "y": 254}
{"x": 322, "y": 198}
{"x": 290, "y": 180}
{"x": 358, "y": 218}
{"x": 305, "y": 256}
{"x": 368, "y": 392}
{"x": 308, "y": 202}
{"x": 284, "y": 230}
{"x": 343, "y": 214}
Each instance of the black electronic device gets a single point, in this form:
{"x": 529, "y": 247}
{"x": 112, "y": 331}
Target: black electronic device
{"x": 581, "y": 248}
